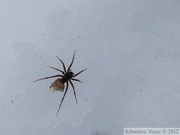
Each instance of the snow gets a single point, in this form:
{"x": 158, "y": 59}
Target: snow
{"x": 131, "y": 50}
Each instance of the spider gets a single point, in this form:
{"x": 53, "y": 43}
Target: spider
{"x": 66, "y": 77}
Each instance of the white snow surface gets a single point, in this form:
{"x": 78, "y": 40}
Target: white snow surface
{"x": 131, "y": 49}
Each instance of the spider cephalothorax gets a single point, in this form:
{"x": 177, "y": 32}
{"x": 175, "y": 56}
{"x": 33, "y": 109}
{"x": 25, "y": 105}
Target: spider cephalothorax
{"x": 67, "y": 77}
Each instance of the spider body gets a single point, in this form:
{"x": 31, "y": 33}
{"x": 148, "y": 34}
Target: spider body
{"x": 58, "y": 85}
{"x": 66, "y": 77}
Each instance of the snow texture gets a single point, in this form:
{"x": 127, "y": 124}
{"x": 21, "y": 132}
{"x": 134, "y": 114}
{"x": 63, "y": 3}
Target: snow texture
{"x": 131, "y": 49}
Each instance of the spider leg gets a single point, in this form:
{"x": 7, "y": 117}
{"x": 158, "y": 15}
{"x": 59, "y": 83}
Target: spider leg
{"x": 73, "y": 91}
{"x": 79, "y": 73}
{"x": 72, "y": 61}
{"x": 62, "y": 98}
{"x": 62, "y": 64}
{"x": 57, "y": 70}
{"x": 76, "y": 80}
{"x": 48, "y": 77}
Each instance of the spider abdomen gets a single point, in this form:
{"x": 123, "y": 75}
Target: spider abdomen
{"x": 58, "y": 85}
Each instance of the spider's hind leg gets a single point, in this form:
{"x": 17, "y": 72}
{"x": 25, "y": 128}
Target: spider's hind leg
{"x": 73, "y": 91}
{"x": 48, "y": 77}
{"x": 62, "y": 98}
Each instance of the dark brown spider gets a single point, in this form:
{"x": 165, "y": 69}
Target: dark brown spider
{"x": 67, "y": 77}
